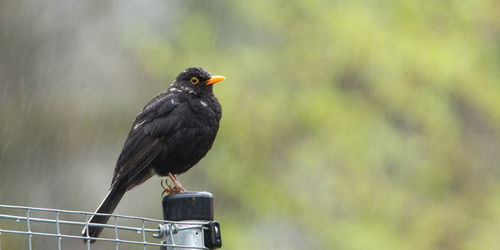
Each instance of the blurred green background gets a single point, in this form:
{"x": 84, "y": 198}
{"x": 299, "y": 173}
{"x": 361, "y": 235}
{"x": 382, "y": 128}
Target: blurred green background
{"x": 346, "y": 124}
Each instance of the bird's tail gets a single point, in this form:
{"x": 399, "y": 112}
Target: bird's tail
{"x": 107, "y": 206}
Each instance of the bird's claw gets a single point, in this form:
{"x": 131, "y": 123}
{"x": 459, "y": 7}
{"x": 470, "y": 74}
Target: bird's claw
{"x": 178, "y": 188}
{"x": 166, "y": 188}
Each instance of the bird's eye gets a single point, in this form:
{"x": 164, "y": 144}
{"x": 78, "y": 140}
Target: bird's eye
{"x": 194, "y": 80}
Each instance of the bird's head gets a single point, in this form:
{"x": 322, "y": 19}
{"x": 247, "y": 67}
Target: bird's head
{"x": 195, "y": 80}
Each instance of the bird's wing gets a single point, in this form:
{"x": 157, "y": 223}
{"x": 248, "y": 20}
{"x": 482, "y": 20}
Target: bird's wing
{"x": 151, "y": 129}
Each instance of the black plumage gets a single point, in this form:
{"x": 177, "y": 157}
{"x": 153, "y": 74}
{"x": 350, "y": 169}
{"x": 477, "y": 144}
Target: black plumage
{"x": 170, "y": 135}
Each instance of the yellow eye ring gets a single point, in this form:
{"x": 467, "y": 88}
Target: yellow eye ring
{"x": 194, "y": 80}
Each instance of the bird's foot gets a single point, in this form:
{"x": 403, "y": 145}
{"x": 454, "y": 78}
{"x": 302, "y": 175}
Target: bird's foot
{"x": 178, "y": 188}
{"x": 166, "y": 188}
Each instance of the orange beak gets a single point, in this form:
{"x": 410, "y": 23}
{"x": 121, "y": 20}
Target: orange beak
{"x": 214, "y": 79}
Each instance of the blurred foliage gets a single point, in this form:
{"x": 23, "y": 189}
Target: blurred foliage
{"x": 346, "y": 124}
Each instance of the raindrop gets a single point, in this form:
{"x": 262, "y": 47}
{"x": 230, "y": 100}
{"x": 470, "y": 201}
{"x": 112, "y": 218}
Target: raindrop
{"x": 138, "y": 232}
{"x": 18, "y": 220}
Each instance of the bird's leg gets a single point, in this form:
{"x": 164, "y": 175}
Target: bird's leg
{"x": 167, "y": 188}
{"x": 178, "y": 186}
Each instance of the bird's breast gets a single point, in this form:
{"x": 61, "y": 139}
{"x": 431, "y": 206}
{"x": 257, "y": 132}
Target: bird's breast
{"x": 207, "y": 110}
{"x": 193, "y": 138}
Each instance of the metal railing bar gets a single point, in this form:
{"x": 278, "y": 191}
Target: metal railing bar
{"x": 29, "y": 228}
{"x": 116, "y": 234}
{"x": 87, "y": 232}
{"x": 143, "y": 234}
{"x": 97, "y": 239}
{"x": 149, "y": 230}
{"x": 58, "y": 231}
{"x": 90, "y": 213}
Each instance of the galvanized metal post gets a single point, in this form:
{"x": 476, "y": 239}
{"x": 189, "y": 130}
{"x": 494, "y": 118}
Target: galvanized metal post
{"x": 196, "y": 207}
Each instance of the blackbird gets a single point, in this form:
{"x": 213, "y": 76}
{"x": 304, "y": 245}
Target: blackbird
{"x": 168, "y": 137}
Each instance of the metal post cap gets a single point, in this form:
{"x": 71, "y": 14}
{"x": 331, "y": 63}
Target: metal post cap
{"x": 188, "y": 206}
